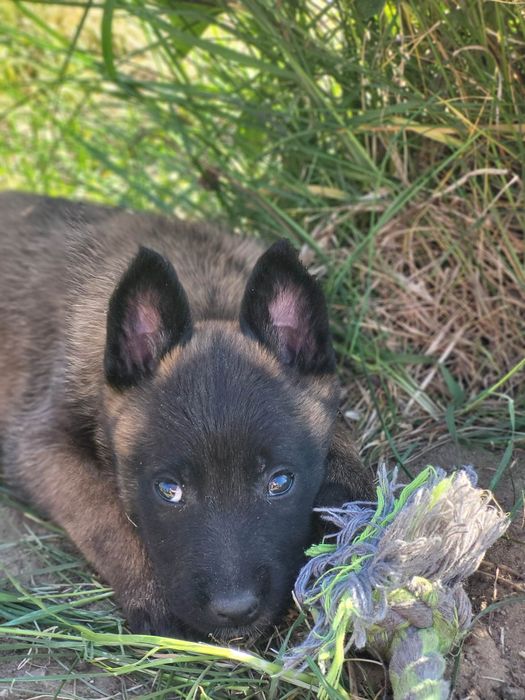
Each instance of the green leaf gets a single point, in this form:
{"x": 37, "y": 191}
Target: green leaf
{"x": 450, "y": 419}
{"x": 106, "y": 38}
{"x": 504, "y": 463}
{"x": 457, "y": 393}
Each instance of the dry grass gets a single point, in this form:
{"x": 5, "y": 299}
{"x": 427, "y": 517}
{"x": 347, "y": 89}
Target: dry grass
{"x": 440, "y": 296}
{"x": 446, "y": 285}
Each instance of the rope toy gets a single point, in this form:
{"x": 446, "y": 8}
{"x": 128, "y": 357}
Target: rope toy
{"x": 392, "y": 581}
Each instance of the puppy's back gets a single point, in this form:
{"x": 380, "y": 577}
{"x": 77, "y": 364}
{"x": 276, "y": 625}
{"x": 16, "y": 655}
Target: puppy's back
{"x": 32, "y": 294}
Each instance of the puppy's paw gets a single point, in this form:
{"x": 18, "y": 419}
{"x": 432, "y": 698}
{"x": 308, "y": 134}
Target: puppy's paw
{"x": 153, "y": 619}
{"x": 147, "y": 611}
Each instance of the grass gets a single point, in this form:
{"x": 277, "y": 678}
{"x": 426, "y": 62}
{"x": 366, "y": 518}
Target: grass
{"x": 384, "y": 139}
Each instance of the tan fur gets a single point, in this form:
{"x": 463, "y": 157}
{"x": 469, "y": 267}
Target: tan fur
{"x": 127, "y": 422}
{"x": 167, "y": 365}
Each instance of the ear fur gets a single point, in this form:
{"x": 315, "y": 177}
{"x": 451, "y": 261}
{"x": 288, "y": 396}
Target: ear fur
{"x": 284, "y": 309}
{"x": 148, "y": 315}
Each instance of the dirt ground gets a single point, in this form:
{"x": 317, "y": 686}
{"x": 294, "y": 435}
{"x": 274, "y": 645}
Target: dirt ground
{"x": 493, "y": 660}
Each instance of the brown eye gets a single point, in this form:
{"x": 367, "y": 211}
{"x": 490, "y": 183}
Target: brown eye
{"x": 280, "y": 483}
{"x": 170, "y": 491}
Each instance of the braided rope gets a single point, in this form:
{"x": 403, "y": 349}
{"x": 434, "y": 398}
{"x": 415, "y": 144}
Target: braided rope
{"x": 392, "y": 578}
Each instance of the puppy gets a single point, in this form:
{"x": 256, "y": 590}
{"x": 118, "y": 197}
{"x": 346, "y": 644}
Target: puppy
{"x": 168, "y": 396}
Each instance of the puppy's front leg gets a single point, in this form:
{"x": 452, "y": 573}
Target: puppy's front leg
{"x": 72, "y": 491}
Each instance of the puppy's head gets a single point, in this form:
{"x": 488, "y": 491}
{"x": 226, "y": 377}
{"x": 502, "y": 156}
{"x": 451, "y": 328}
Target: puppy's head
{"x": 220, "y": 431}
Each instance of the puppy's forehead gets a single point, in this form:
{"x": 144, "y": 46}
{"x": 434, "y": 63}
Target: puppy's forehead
{"x": 216, "y": 340}
{"x": 223, "y": 382}
{"x": 226, "y": 380}
{"x": 225, "y": 400}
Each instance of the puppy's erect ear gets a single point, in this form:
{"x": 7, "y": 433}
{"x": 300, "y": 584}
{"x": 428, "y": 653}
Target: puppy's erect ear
{"x": 285, "y": 310}
{"x": 148, "y": 315}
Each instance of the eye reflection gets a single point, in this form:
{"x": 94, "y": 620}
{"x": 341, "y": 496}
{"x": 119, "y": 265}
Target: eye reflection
{"x": 280, "y": 483}
{"x": 169, "y": 491}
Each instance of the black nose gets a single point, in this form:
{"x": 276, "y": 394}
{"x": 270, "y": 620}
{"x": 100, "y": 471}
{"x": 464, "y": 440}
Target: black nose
{"x": 235, "y": 609}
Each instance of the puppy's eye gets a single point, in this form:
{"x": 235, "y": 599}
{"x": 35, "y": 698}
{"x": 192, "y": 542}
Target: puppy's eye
{"x": 169, "y": 491}
{"x": 280, "y": 483}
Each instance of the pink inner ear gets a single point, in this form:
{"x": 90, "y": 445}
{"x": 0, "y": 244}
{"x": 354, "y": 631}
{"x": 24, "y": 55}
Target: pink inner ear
{"x": 287, "y": 314}
{"x": 146, "y": 319}
{"x": 143, "y": 331}
{"x": 284, "y": 309}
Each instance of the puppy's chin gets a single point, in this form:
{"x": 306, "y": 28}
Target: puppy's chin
{"x": 245, "y": 636}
